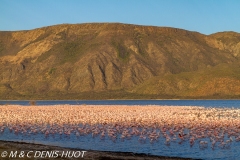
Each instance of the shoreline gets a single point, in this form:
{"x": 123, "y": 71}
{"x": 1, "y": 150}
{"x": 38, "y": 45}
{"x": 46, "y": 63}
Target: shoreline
{"x": 134, "y": 99}
{"x": 90, "y": 154}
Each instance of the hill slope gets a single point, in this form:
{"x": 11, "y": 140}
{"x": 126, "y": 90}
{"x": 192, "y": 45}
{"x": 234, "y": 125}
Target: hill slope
{"x": 112, "y": 60}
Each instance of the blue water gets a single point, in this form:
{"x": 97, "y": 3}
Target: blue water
{"x": 133, "y": 145}
{"x": 204, "y": 103}
{"x": 87, "y": 142}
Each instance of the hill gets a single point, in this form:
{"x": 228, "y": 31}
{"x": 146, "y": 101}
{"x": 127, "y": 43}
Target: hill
{"x": 118, "y": 61}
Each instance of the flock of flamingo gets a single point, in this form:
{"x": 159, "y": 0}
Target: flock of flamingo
{"x": 205, "y": 127}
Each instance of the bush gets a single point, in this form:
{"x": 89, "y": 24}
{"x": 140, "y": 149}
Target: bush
{"x": 32, "y": 103}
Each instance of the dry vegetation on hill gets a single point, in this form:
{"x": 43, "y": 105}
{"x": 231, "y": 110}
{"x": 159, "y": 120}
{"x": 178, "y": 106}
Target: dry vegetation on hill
{"x": 98, "y": 61}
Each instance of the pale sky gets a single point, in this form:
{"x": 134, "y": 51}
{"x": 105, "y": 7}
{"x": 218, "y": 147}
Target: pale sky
{"x": 204, "y": 16}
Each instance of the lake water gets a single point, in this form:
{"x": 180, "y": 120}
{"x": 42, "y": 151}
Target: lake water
{"x": 133, "y": 145}
{"x": 204, "y": 103}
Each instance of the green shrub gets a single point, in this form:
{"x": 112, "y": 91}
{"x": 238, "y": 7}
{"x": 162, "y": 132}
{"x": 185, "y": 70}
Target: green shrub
{"x": 32, "y": 103}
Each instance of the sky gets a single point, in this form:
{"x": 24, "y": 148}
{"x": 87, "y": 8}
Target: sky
{"x": 204, "y": 16}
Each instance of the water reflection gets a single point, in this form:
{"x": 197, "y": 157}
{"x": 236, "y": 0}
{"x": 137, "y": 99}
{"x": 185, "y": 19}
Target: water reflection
{"x": 88, "y": 140}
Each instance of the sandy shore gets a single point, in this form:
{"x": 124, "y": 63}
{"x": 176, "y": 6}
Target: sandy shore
{"x": 89, "y": 155}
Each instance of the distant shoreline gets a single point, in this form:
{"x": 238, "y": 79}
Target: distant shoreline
{"x": 174, "y": 99}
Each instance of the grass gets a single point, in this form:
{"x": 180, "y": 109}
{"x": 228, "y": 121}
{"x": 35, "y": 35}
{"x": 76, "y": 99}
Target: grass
{"x": 171, "y": 53}
{"x": 121, "y": 95}
{"x": 185, "y": 85}
{"x": 52, "y": 70}
{"x": 195, "y": 84}
{"x": 122, "y": 52}
{"x": 70, "y": 50}
{"x": 1, "y": 48}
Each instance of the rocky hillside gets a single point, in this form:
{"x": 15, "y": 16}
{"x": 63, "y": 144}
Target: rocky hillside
{"x": 111, "y": 60}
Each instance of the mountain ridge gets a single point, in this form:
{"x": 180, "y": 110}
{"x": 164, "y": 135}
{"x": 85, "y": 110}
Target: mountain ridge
{"x": 125, "y": 60}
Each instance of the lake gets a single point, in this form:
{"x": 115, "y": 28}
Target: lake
{"x": 204, "y": 103}
{"x": 133, "y": 145}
